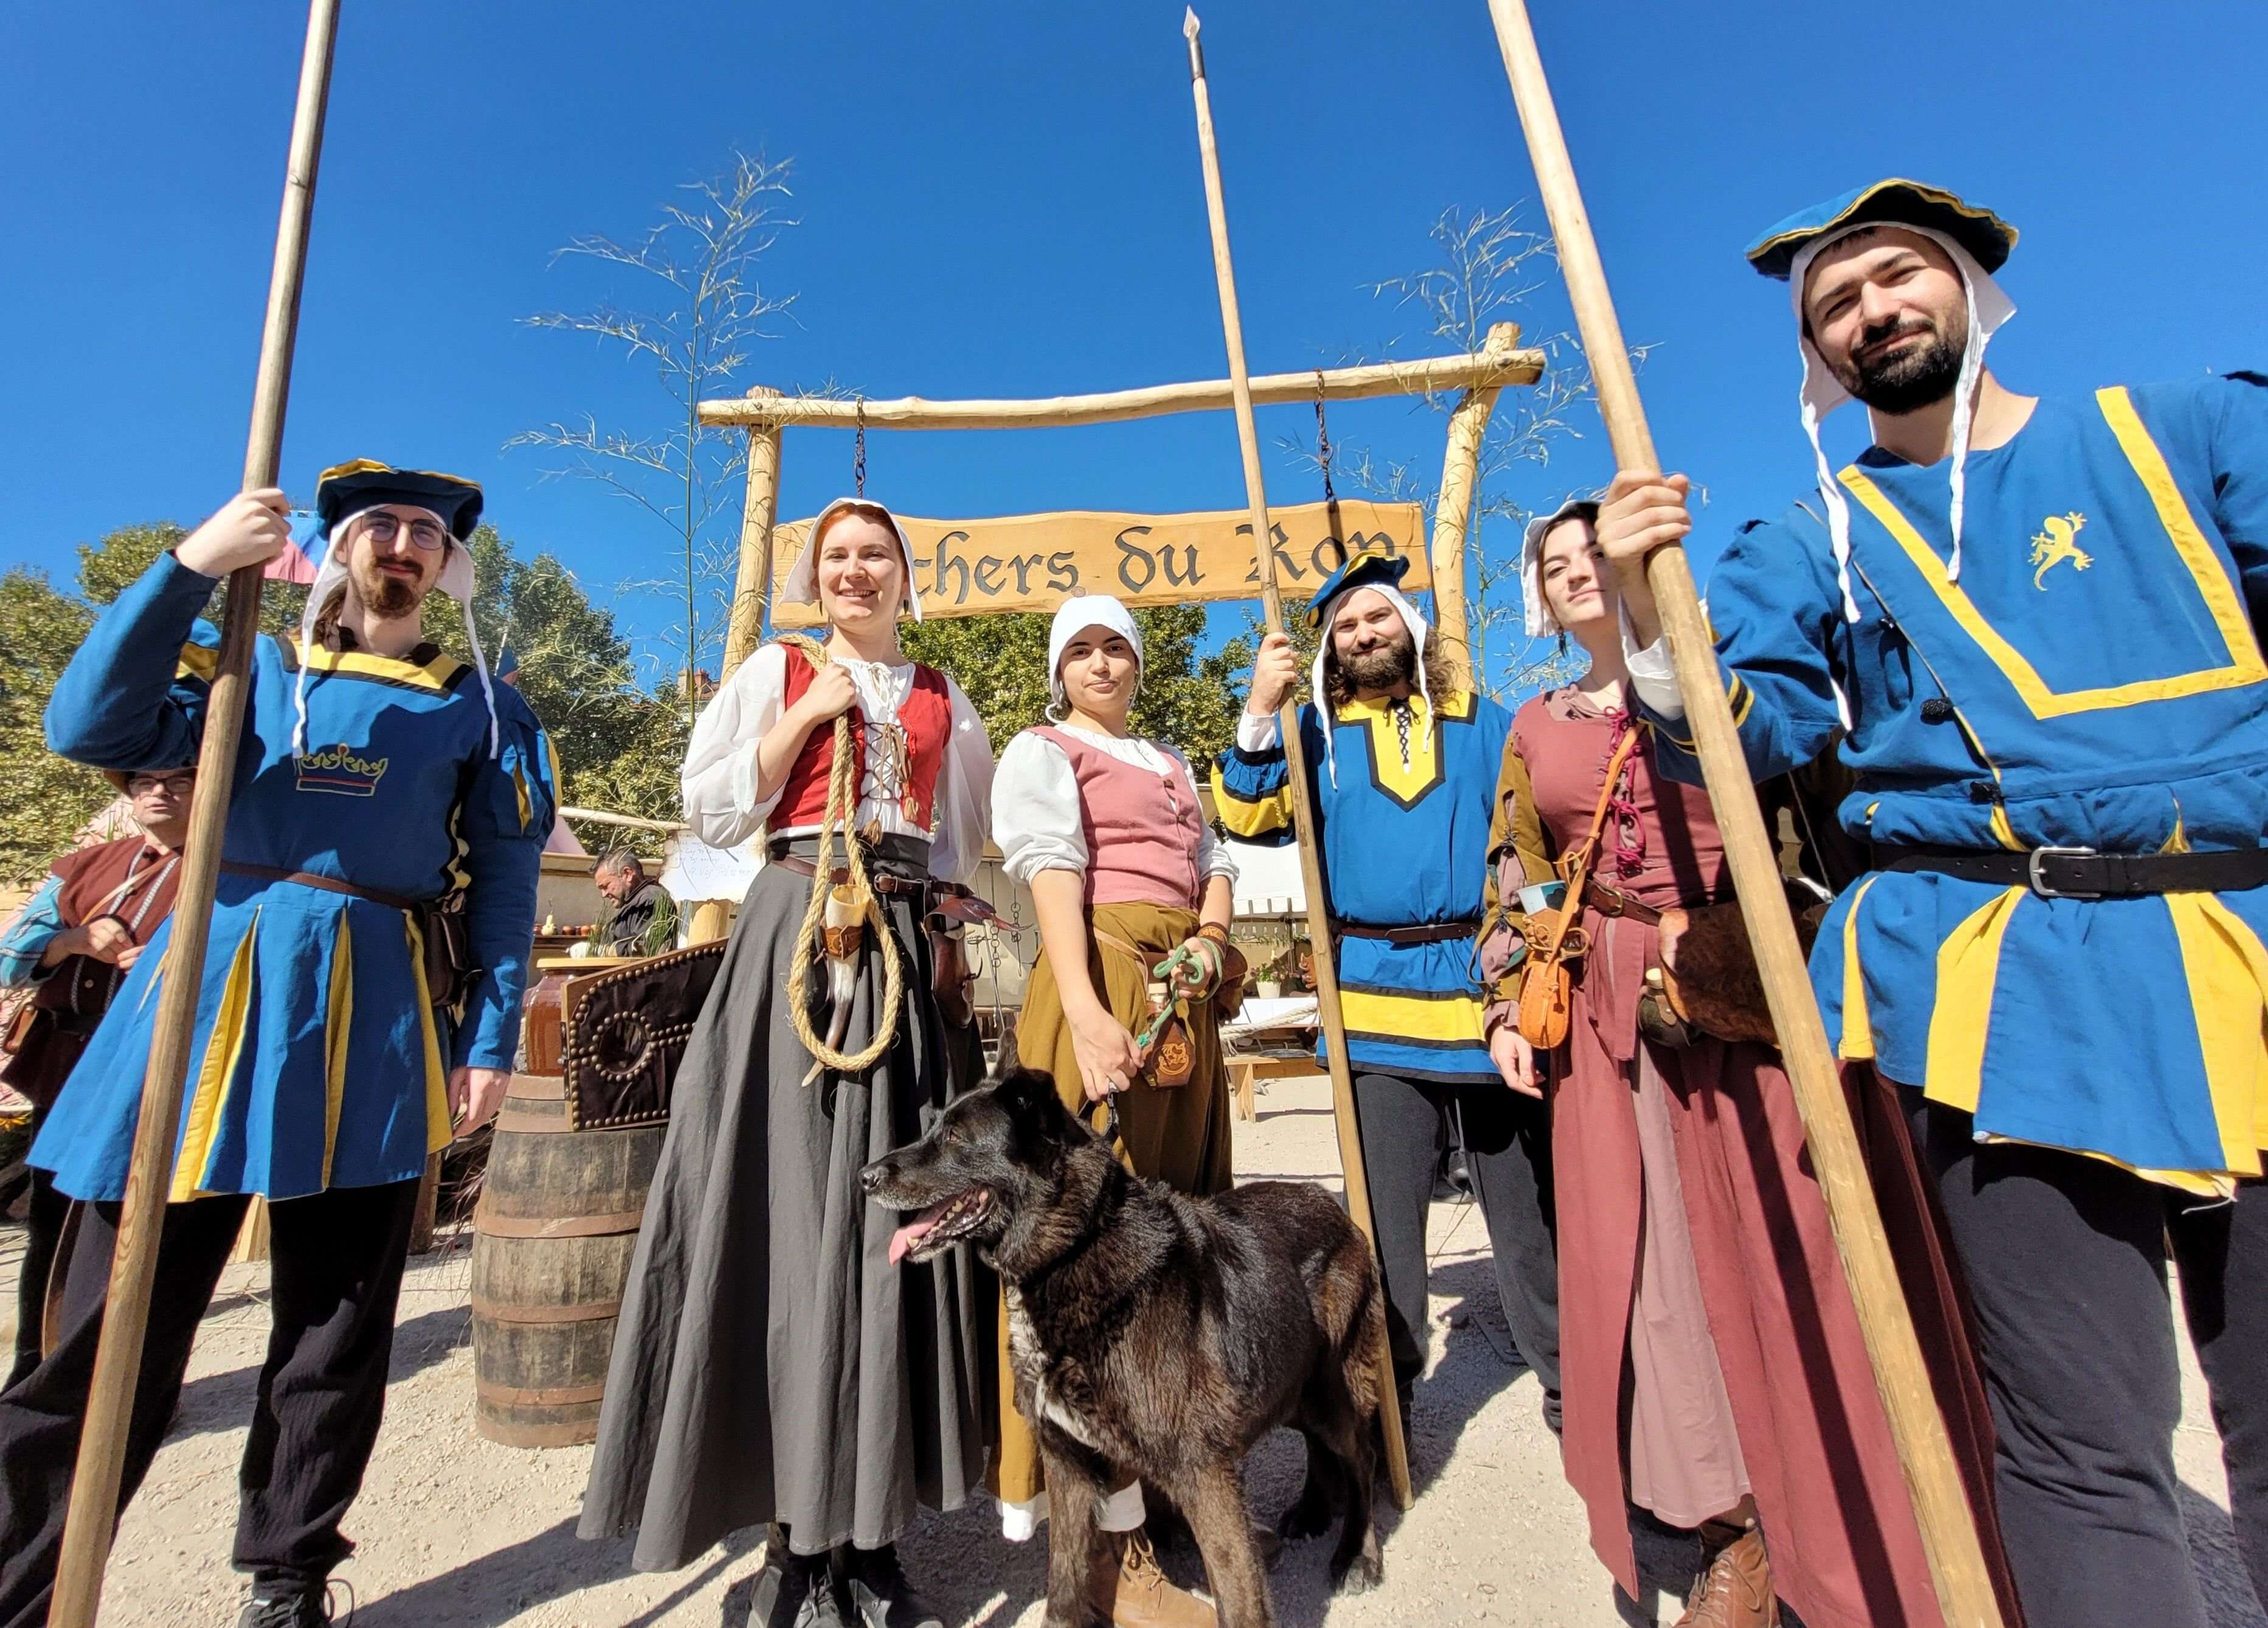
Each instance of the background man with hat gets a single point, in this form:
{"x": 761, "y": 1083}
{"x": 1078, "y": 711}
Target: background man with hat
{"x": 1404, "y": 780}
{"x": 72, "y": 945}
{"x": 332, "y": 1052}
{"x": 2035, "y": 618}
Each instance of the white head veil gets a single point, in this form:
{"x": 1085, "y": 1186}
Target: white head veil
{"x": 800, "y": 586}
{"x": 1073, "y": 617}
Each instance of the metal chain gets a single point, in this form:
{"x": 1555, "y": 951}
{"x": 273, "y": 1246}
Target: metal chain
{"x": 1324, "y": 440}
{"x": 858, "y": 453}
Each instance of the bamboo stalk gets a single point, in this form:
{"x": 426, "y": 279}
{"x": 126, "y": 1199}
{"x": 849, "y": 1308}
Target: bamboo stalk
{"x": 1493, "y": 367}
{"x": 1948, "y": 1529}
{"x": 93, "y": 1509}
{"x": 1303, "y": 802}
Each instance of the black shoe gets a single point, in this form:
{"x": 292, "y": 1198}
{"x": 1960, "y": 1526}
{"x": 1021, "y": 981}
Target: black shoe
{"x": 793, "y": 1591}
{"x": 285, "y": 1607}
{"x": 880, "y": 1597}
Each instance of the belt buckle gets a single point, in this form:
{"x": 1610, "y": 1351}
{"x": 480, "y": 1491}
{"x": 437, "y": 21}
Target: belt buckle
{"x": 2039, "y": 884}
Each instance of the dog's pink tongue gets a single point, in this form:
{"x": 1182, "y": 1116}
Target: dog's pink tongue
{"x": 912, "y": 1232}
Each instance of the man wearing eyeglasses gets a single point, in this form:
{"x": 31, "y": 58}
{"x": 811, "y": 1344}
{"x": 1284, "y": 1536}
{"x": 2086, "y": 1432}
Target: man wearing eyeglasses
{"x": 72, "y": 945}
{"x": 362, "y": 975}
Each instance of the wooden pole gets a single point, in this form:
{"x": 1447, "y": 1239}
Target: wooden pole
{"x": 93, "y": 1510}
{"x": 1452, "y": 512}
{"x": 1948, "y": 1529}
{"x": 1303, "y": 802}
{"x": 752, "y": 583}
{"x": 1426, "y": 377}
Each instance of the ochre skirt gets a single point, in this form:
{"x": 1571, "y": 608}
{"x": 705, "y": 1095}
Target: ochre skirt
{"x": 1179, "y": 1136}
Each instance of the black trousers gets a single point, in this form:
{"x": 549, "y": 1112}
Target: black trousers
{"x": 43, "y": 1229}
{"x": 2066, "y": 1258}
{"x": 1507, "y": 1142}
{"x": 336, "y": 1263}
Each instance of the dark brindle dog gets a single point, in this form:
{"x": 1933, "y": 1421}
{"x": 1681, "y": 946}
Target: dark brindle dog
{"x": 1156, "y": 1335}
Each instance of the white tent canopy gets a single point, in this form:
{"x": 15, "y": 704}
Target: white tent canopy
{"x": 1268, "y": 880}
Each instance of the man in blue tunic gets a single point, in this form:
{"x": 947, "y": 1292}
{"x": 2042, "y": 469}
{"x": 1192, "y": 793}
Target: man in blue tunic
{"x": 381, "y": 788}
{"x": 1403, "y": 780}
{"x": 2037, "y": 620}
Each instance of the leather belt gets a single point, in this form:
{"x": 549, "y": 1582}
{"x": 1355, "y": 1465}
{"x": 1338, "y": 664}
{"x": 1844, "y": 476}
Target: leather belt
{"x": 1429, "y": 932}
{"x": 1613, "y": 902}
{"x": 2084, "y": 873}
{"x": 881, "y": 881}
{"x": 328, "y": 884}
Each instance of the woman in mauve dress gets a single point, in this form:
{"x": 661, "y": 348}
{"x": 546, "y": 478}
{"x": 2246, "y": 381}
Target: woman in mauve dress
{"x": 1713, "y": 1371}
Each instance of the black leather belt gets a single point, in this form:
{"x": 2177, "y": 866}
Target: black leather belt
{"x": 328, "y": 884}
{"x": 2084, "y": 873}
{"x": 880, "y": 880}
{"x": 1430, "y": 933}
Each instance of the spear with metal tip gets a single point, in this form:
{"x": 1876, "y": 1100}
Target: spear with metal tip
{"x": 1303, "y": 802}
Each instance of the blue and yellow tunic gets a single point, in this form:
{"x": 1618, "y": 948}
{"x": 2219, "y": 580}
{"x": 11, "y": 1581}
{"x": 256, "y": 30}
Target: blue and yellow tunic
{"x": 1404, "y": 843}
{"x": 317, "y": 1060}
{"x": 2092, "y": 679}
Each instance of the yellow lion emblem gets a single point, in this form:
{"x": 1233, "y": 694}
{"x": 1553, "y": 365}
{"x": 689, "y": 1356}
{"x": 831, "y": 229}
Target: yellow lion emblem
{"x": 2052, "y": 546}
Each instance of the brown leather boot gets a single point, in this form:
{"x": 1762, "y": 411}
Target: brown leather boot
{"x": 1125, "y": 1586}
{"x": 1737, "y": 1591}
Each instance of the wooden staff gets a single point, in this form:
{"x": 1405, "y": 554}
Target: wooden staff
{"x": 1295, "y": 752}
{"x": 93, "y": 1511}
{"x": 1948, "y": 1529}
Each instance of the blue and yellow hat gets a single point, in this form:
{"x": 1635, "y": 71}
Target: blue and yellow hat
{"x": 344, "y": 488}
{"x": 1888, "y": 203}
{"x": 1360, "y": 569}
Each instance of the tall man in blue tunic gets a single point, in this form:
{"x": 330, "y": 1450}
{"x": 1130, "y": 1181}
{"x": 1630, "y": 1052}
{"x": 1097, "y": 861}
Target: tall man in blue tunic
{"x": 2036, "y": 619}
{"x": 377, "y": 776}
{"x": 1403, "y": 778}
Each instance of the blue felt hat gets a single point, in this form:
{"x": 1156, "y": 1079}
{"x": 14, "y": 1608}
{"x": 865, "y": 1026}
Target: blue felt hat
{"x": 1890, "y": 202}
{"x": 347, "y": 487}
{"x": 1358, "y": 570}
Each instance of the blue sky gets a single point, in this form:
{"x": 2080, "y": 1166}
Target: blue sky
{"x": 1005, "y": 200}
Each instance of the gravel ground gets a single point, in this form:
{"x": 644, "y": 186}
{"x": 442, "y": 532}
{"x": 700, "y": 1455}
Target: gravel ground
{"x": 457, "y": 1532}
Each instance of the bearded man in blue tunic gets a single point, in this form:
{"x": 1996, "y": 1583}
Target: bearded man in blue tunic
{"x": 380, "y": 784}
{"x": 1402, "y": 762}
{"x": 2035, "y": 621}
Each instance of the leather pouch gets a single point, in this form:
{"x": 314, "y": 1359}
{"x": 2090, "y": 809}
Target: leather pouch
{"x": 625, "y": 1032}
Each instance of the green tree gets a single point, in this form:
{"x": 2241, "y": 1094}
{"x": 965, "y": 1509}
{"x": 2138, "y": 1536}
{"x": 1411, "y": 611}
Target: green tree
{"x": 47, "y": 799}
{"x": 1001, "y": 662}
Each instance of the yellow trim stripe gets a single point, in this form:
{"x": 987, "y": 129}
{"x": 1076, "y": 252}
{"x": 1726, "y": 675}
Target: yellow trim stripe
{"x": 1935, "y": 195}
{"x": 198, "y": 661}
{"x": 434, "y": 675}
{"x": 2174, "y": 514}
{"x": 1968, "y": 963}
{"x": 338, "y": 1025}
{"x": 1250, "y": 817}
{"x": 2003, "y": 833}
{"x": 216, "y": 1074}
{"x": 1411, "y": 1017}
{"x": 519, "y": 785}
{"x": 2245, "y": 664}
{"x": 2227, "y": 968}
{"x": 1857, "y": 1028}
{"x": 438, "y": 1131}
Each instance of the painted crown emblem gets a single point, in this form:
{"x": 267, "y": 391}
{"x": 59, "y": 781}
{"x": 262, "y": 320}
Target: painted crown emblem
{"x": 340, "y": 771}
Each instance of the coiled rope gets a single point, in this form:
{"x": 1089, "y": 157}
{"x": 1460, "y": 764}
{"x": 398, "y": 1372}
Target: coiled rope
{"x": 842, "y": 804}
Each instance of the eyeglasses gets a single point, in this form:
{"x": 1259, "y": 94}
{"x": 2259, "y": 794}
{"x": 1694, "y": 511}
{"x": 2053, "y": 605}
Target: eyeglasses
{"x": 178, "y": 785}
{"x": 382, "y": 530}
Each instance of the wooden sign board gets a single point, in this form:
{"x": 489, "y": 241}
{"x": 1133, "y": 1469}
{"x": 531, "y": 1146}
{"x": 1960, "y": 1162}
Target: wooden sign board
{"x": 1035, "y": 562}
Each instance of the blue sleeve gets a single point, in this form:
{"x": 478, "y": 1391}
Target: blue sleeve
{"x": 510, "y": 802}
{"x": 28, "y": 935}
{"x": 1252, "y": 792}
{"x": 1776, "y": 613}
{"x": 2240, "y": 482}
{"x": 133, "y": 695}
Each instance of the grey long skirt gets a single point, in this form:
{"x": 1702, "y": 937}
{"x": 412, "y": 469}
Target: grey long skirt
{"x": 770, "y": 1364}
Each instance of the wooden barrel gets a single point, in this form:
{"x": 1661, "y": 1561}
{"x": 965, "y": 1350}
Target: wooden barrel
{"x": 558, "y": 1217}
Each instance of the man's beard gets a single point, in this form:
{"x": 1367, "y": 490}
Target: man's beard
{"x": 385, "y": 595}
{"x": 1383, "y": 666}
{"x": 1907, "y": 379}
